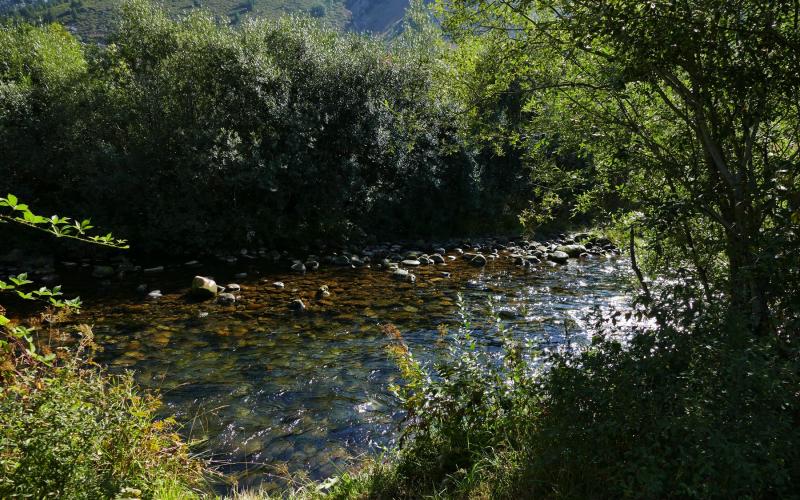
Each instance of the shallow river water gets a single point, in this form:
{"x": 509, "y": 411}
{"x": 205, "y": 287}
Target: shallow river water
{"x": 268, "y": 388}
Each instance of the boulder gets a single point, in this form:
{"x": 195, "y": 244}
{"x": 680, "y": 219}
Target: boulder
{"x": 341, "y": 260}
{"x": 437, "y": 258}
{"x": 558, "y": 257}
{"x": 204, "y": 288}
{"x": 479, "y": 260}
{"x": 572, "y": 250}
{"x": 404, "y": 275}
{"x": 323, "y": 292}
{"x": 299, "y": 267}
{"x": 103, "y": 272}
{"x": 226, "y": 299}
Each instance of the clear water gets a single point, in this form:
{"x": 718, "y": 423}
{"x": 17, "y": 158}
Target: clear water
{"x": 269, "y": 389}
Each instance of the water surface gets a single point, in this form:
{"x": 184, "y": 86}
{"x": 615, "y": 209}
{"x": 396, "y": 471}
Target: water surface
{"x": 267, "y": 387}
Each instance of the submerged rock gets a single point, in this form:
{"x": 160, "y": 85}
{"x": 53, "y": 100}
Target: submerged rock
{"x": 297, "y": 305}
{"x": 226, "y": 299}
{"x": 479, "y": 260}
{"x": 103, "y": 272}
{"x": 323, "y": 292}
{"x": 341, "y": 260}
{"x": 404, "y": 275}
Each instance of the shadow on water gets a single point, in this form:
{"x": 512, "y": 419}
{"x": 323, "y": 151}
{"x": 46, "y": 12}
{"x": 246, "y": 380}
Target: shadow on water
{"x": 263, "y": 385}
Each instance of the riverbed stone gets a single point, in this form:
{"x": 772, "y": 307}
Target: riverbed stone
{"x": 297, "y": 305}
{"x": 155, "y": 294}
{"x": 299, "y": 267}
{"x": 154, "y": 270}
{"x": 411, "y": 262}
{"x": 204, "y": 288}
{"x": 102, "y": 272}
{"x": 233, "y": 287}
{"x": 226, "y": 299}
{"x": 572, "y": 250}
{"x": 323, "y": 292}
{"x": 478, "y": 260}
{"x": 558, "y": 257}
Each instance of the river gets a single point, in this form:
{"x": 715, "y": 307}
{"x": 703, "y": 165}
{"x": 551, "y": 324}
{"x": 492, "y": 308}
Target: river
{"x": 268, "y": 389}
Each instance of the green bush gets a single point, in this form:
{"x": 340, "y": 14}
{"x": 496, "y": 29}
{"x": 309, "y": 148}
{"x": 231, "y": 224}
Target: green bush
{"x": 72, "y": 430}
{"x": 187, "y": 135}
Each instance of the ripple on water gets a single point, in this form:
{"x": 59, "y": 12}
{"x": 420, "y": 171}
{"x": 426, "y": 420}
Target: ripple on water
{"x": 267, "y": 386}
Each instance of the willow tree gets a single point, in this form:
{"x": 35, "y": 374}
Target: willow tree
{"x": 687, "y": 108}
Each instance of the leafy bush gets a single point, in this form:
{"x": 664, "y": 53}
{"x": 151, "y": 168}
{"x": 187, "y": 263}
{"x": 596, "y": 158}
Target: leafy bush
{"x": 67, "y": 428}
{"x": 74, "y": 431}
{"x": 187, "y": 135}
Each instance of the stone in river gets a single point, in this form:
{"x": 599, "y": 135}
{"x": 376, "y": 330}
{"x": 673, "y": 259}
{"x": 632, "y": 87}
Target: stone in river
{"x": 203, "y": 287}
{"x": 572, "y": 250}
{"x": 478, "y": 260}
{"x": 103, "y": 272}
{"x": 558, "y": 257}
{"x": 410, "y": 262}
{"x": 297, "y": 305}
{"x": 226, "y": 298}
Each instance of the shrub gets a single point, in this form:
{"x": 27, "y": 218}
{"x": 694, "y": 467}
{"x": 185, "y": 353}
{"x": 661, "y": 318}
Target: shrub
{"x": 74, "y": 431}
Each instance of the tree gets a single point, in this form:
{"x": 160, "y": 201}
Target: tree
{"x": 688, "y": 110}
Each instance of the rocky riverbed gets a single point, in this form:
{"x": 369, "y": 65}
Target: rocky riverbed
{"x": 281, "y": 360}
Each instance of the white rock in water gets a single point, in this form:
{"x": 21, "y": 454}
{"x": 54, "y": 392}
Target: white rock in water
{"x": 204, "y": 287}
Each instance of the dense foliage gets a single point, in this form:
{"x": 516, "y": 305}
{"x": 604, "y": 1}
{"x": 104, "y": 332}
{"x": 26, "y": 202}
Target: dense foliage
{"x": 67, "y": 427}
{"x": 73, "y": 431}
{"x": 186, "y": 135}
{"x": 678, "y": 120}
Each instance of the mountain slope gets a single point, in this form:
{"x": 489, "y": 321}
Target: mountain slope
{"x": 94, "y": 19}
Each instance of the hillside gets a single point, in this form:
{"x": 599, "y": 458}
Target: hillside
{"x": 93, "y": 19}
